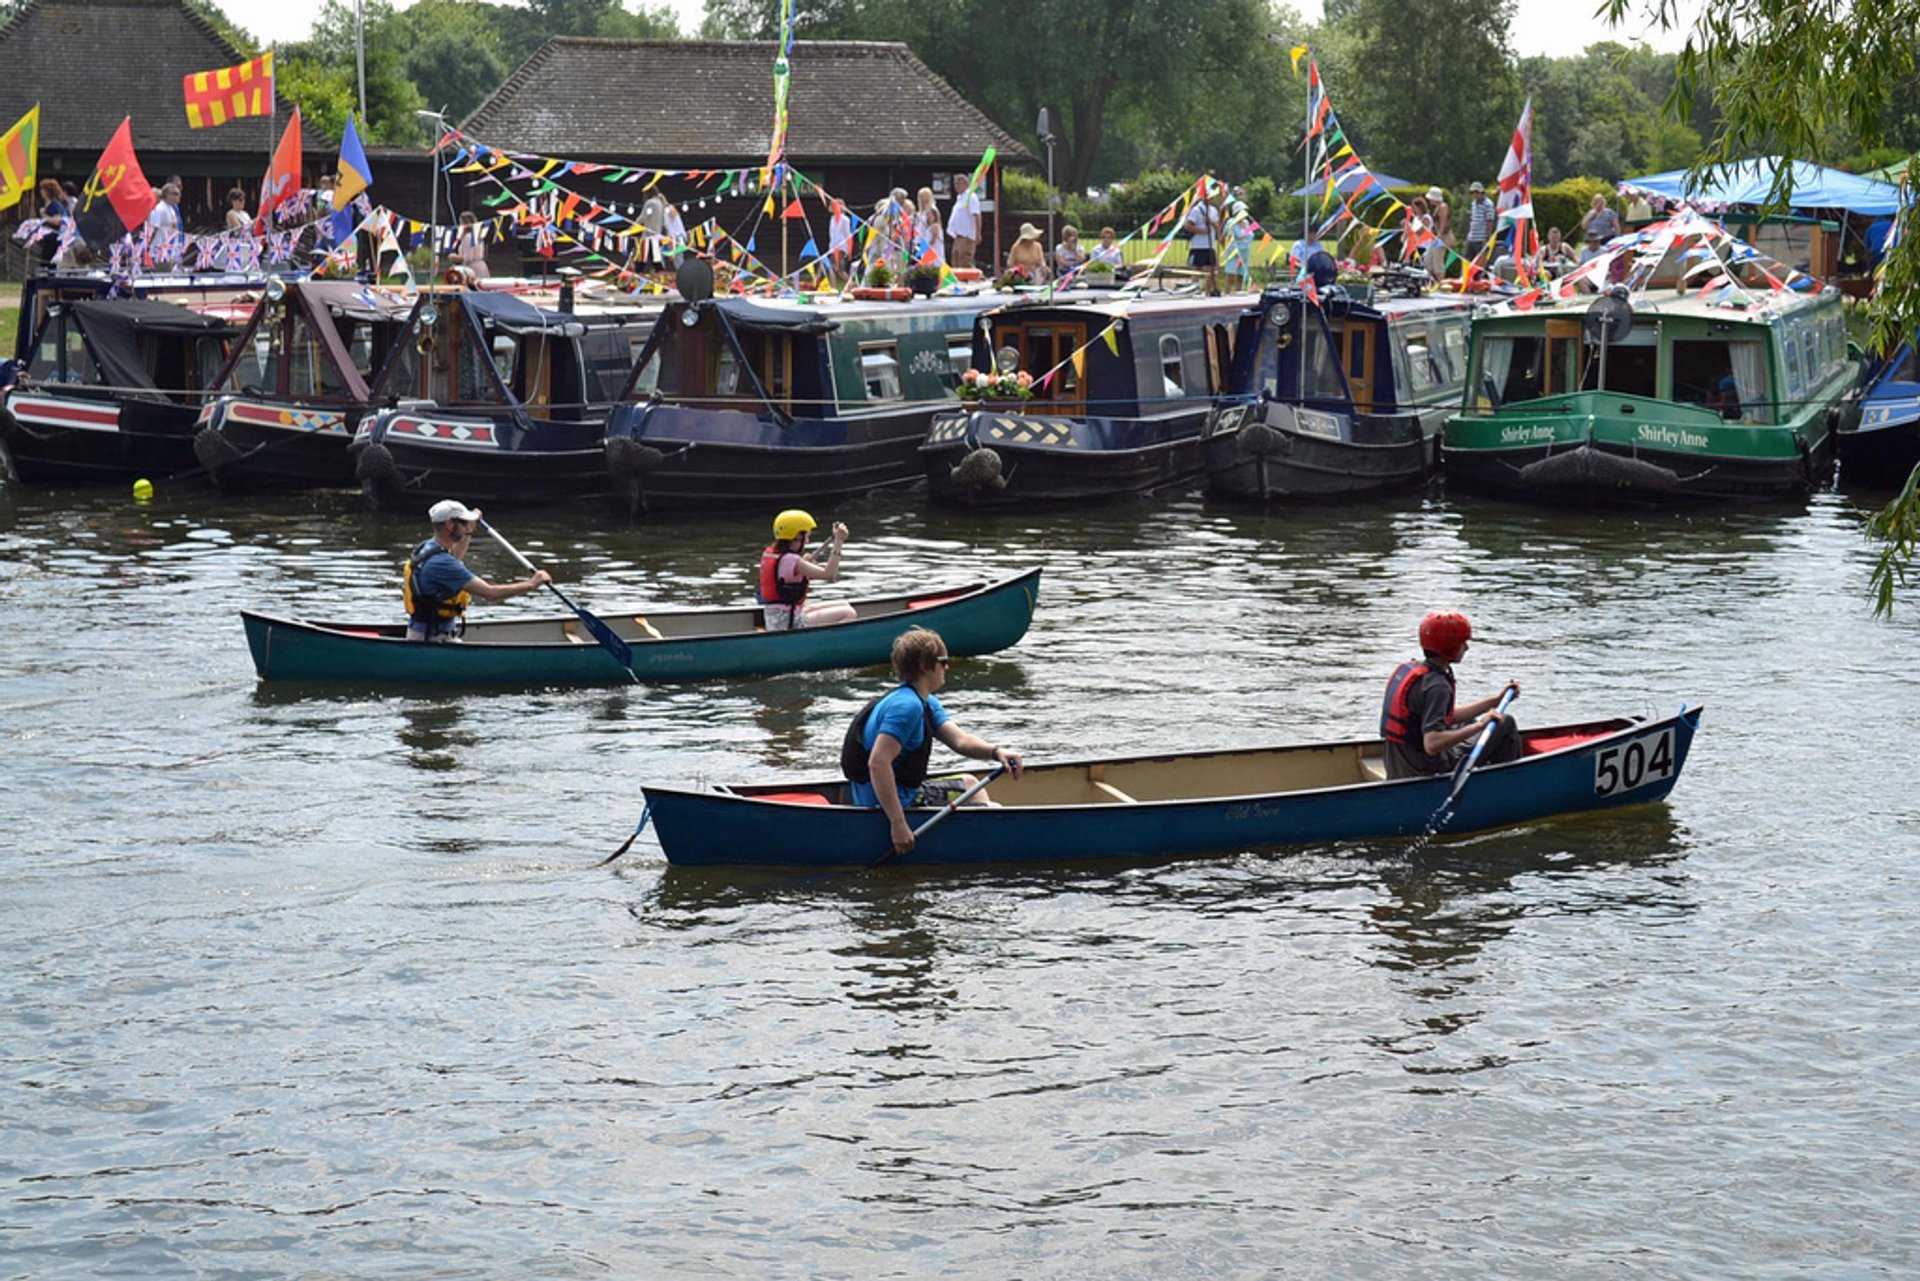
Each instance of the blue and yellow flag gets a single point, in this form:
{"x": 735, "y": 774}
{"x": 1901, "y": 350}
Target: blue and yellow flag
{"x": 355, "y": 175}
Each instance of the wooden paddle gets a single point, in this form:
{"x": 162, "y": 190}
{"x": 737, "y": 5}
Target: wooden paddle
{"x": 621, "y": 651}
{"x": 1465, "y": 771}
{"x": 945, "y": 810}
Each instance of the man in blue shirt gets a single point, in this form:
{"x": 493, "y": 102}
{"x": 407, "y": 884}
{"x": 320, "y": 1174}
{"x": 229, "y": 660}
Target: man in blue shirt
{"x": 437, "y": 583}
{"x": 896, "y": 737}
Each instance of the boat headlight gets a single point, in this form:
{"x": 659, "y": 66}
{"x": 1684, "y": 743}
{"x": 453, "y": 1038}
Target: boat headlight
{"x": 429, "y": 314}
{"x": 276, "y": 289}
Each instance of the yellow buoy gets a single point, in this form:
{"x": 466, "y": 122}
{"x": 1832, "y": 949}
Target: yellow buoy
{"x": 143, "y": 490}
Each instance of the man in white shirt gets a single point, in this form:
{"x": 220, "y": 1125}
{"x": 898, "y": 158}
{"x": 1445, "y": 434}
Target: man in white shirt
{"x": 1203, "y": 228}
{"x": 166, "y": 212}
{"x": 963, "y": 224}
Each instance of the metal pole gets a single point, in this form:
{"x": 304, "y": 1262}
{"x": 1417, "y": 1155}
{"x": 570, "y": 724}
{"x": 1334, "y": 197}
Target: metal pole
{"x": 360, "y": 54}
{"x": 1051, "y": 199}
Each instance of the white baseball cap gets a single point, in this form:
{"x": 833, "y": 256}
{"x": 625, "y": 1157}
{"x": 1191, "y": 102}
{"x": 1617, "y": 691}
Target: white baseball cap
{"x": 451, "y": 509}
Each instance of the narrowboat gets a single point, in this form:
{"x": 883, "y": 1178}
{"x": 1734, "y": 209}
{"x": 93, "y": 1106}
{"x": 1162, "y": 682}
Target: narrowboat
{"x": 1117, "y": 394}
{"x": 1879, "y": 443}
{"x": 759, "y": 404}
{"x": 1331, "y": 396}
{"x": 112, "y": 389}
{"x": 300, "y": 379}
{"x": 1679, "y": 364}
{"x": 667, "y": 644}
{"x": 1156, "y": 807}
{"x": 501, "y": 401}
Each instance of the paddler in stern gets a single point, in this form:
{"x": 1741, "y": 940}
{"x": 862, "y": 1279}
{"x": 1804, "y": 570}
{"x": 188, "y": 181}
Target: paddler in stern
{"x": 436, "y": 584}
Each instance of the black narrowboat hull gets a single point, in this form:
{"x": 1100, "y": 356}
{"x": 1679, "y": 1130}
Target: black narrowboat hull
{"x": 1881, "y": 456}
{"x": 1268, "y": 451}
{"x": 994, "y": 458}
{"x": 252, "y": 446}
{"x": 97, "y": 439}
{"x": 400, "y": 456}
{"x": 665, "y": 458}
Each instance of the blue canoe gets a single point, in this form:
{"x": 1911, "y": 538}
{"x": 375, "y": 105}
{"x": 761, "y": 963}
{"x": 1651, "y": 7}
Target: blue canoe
{"x": 668, "y": 644}
{"x": 1173, "y": 806}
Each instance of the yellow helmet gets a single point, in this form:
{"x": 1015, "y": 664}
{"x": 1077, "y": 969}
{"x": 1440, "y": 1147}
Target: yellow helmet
{"x": 791, "y": 524}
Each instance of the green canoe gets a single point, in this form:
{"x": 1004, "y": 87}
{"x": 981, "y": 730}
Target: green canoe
{"x": 668, "y": 644}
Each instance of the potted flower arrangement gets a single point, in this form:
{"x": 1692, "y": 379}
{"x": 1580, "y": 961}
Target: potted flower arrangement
{"x": 879, "y": 286}
{"x": 976, "y": 386}
{"x": 1099, "y": 274}
{"x": 923, "y": 279}
{"x": 1014, "y": 278}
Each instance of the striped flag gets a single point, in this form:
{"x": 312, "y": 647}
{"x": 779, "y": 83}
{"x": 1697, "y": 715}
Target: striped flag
{"x": 19, "y": 158}
{"x": 230, "y": 93}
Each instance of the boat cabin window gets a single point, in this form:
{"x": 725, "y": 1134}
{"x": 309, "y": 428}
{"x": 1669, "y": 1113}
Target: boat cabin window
{"x": 1907, "y": 367}
{"x": 880, "y": 370}
{"x": 959, "y": 357}
{"x": 61, "y": 354}
{"x": 1729, "y": 377}
{"x": 1791, "y": 351}
{"x": 1047, "y": 347}
{"x": 608, "y": 360}
{"x": 1515, "y": 368}
{"x": 1425, "y": 372}
{"x": 1172, "y": 383}
{"x": 1320, "y": 368}
{"x": 1631, "y": 366}
{"x": 1810, "y": 354}
{"x": 649, "y": 377}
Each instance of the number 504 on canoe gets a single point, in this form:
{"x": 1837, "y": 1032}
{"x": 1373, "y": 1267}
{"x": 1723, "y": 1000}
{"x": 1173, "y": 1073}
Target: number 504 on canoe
{"x": 1634, "y": 763}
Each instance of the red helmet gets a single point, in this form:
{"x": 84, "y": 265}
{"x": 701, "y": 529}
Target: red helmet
{"x": 1444, "y": 631}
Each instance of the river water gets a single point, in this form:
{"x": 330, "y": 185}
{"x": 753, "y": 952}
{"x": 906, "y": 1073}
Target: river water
{"x": 324, "y": 983}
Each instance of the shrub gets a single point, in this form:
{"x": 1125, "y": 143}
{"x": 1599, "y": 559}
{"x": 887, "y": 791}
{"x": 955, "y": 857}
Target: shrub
{"x": 879, "y": 276}
{"x": 1564, "y": 203}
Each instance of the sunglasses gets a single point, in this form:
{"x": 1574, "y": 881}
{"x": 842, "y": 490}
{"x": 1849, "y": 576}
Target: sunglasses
{"x": 945, "y": 660}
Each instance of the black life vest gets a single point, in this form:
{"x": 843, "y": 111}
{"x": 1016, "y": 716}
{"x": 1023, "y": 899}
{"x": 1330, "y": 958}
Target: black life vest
{"x": 1395, "y": 715}
{"x": 909, "y": 768}
{"x": 773, "y": 589}
{"x": 422, "y": 608}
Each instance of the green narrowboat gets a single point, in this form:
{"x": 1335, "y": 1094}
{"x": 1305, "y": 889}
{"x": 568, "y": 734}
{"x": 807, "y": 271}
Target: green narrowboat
{"x": 1678, "y": 364}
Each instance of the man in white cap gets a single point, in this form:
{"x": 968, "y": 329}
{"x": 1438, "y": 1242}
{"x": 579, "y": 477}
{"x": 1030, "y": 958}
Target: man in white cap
{"x": 437, "y": 584}
{"x": 1481, "y": 218}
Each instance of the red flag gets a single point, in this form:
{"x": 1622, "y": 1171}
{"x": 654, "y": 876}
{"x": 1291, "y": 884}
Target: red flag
{"x": 794, "y": 210}
{"x": 283, "y": 175}
{"x": 117, "y": 177}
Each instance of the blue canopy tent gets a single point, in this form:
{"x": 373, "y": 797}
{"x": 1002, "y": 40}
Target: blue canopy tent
{"x": 1351, "y": 179}
{"x": 1748, "y": 182}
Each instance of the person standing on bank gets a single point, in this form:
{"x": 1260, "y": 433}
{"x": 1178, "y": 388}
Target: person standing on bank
{"x": 1425, "y": 732}
{"x": 786, "y": 574}
{"x": 437, "y": 584}
{"x": 891, "y": 740}
{"x": 1482, "y": 217}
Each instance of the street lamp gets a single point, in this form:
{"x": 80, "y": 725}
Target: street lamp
{"x": 439, "y": 119}
{"x": 1046, "y": 137}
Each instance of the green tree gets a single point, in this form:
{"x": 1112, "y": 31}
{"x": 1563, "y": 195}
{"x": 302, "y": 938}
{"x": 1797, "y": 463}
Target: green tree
{"x": 452, "y": 52}
{"x": 329, "y": 54}
{"x": 1089, "y": 64}
{"x": 1789, "y": 78}
{"x": 1431, "y": 94}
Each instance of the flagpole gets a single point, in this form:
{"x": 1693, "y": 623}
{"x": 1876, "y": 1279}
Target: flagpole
{"x": 273, "y": 121}
{"x": 1306, "y": 226}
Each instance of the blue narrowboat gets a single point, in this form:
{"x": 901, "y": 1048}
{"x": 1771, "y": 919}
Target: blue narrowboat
{"x": 500, "y": 401}
{"x": 1880, "y": 441}
{"x": 1332, "y": 397}
{"x": 667, "y": 644}
{"x": 759, "y": 404}
{"x": 1117, "y": 394}
{"x": 1189, "y": 805}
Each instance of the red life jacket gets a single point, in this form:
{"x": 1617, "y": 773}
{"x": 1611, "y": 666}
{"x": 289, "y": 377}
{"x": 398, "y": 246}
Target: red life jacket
{"x": 1396, "y": 716}
{"x": 775, "y": 590}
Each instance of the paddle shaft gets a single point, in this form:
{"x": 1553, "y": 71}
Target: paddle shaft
{"x": 945, "y": 810}
{"x": 621, "y": 651}
{"x": 1479, "y": 746}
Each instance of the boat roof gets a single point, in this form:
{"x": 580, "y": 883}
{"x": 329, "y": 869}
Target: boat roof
{"x": 1426, "y": 304}
{"x": 1686, "y": 265}
{"x": 1128, "y": 305}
